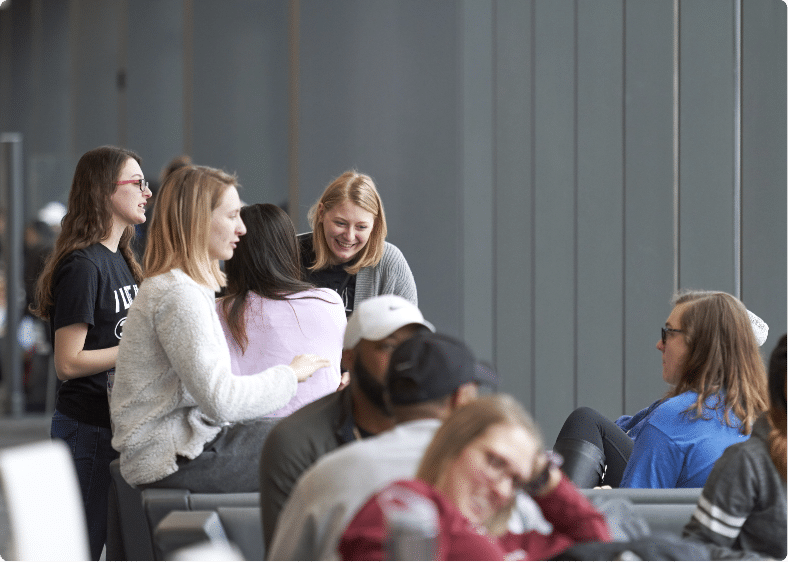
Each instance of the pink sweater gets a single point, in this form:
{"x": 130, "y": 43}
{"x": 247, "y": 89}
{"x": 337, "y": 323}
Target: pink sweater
{"x": 308, "y": 322}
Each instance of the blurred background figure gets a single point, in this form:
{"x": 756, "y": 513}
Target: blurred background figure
{"x": 52, "y": 214}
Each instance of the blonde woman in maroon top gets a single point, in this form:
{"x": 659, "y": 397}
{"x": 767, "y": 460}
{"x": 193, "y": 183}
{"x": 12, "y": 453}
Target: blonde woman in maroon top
{"x": 479, "y": 459}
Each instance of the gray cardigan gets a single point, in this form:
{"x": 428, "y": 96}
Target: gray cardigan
{"x": 741, "y": 512}
{"x": 392, "y": 276}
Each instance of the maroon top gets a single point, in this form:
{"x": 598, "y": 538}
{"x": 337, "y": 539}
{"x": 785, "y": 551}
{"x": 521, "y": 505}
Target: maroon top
{"x": 573, "y": 517}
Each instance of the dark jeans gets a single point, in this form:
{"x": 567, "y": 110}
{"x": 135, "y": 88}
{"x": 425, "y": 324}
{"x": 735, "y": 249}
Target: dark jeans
{"x": 588, "y": 425}
{"x": 228, "y": 464}
{"x": 92, "y": 450}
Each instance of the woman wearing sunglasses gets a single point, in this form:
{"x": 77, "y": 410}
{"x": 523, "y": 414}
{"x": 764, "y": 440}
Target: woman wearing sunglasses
{"x": 718, "y": 388}
{"x": 85, "y": 291}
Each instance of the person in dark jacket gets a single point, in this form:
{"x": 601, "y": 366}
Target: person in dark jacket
{"x": 742, "y": 509}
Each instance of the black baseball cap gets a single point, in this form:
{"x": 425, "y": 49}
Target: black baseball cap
{"x": 429, "y": 366}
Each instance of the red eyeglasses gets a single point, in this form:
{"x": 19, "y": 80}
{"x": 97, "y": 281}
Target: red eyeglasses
{"x": 142, "y": 184}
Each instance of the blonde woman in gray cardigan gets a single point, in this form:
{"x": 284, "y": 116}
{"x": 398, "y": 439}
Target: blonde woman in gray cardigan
{"x": 347, "y": 249}
{"x": 180, "y": 419}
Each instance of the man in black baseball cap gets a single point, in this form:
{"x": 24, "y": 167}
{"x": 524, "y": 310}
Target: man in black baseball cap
{"x": 429, "y": 367}
{"x": 429, "y": 375}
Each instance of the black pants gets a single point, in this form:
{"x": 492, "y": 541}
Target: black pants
{"x": 228, "y": 464}
{"x": 595, "y": 449}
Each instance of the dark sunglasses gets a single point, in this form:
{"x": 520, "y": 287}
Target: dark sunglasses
{"x": 665, "y": 334}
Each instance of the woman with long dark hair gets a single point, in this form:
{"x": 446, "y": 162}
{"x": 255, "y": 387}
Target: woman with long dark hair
{"x": 269, "y": 314}
{"x": 742, "y": 509}
{"x": 85, "y": 291}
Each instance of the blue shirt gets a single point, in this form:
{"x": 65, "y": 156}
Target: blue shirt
{"x": 674, "y": 449}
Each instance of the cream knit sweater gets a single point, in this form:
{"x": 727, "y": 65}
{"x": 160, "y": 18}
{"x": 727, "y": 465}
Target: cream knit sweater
{"x": 173, "y": 388}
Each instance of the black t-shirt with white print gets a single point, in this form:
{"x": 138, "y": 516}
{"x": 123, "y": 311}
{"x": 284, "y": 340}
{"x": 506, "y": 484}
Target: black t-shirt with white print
{"x": 92, "y": 286}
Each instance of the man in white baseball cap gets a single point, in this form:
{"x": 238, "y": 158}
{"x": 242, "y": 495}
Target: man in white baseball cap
{"x": 376, "y": 327}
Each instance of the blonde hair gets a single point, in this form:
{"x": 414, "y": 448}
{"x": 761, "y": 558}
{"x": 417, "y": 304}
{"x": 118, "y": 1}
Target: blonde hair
{"x": 181, "y": 225}
{"x": 464, "y": 426}
{"x": 360, "y": 190}
{"x": 723, "y": 357}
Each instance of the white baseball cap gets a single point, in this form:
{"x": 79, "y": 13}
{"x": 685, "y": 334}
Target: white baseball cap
{"x": 379, "y": 317}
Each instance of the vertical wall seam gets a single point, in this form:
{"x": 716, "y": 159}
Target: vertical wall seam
{"x": 576, "y": 218}
{"x": 676, "y": 147}
{"x": 533, "y": 207}
{"x": 293, "y": 193}
{"x": 737, "y": 153}
{"x": 494, "y": 179}
{"x": 460, "y": 18}
{"x": 624, "y": 205}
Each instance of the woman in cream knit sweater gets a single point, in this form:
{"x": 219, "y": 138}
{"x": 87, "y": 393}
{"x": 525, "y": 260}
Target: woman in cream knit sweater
{"x": 180, "y": 419}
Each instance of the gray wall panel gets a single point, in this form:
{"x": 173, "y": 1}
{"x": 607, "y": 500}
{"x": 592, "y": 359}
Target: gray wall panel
{"x": 154, "y": 78}
{"x": 524, "y": 150}
{"x": 384, "y": 99}
{"x": 50, "y": 85}
{"x": 514, "y": 193}
{"x": 706, "y": 159}
{"x": 600, "y": 200}
{"x": 648, "y": 208}
{"x": 478, "y": 266}
{"x": 240, "y": 54}
{"x": 95, "y": 37}
{"x": 763, "y": 163}
{"x": 17, "y": 115}
{"x": 554, "y": 213}
{"x": 48, "y": 140}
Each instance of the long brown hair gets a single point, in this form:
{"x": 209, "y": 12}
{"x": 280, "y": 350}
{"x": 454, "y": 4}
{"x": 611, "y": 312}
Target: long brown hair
{"x": 88, "y": 218}
{"x": 777, "y": 399}
{"x": 360, "y": 190}
{"x": 723, "y": 357}
{"x": 179, "y": 232}
{"x": 266, "y": 261}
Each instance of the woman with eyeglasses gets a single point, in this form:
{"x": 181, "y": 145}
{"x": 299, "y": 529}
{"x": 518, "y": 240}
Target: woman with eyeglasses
{"x": 181, "y": 419}
{"x": 84, "y": 291}
{"x": 710, "y": 359}
{"x": 479, "y": 459}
